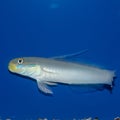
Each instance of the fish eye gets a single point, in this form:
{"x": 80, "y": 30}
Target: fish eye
{"x": 20, "y": 61}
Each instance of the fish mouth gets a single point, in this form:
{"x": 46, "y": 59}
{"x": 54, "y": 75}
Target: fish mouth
{"x": 12, "y": 67}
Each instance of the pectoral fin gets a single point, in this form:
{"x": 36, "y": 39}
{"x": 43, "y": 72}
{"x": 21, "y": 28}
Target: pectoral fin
{"x": 44, "y": 88}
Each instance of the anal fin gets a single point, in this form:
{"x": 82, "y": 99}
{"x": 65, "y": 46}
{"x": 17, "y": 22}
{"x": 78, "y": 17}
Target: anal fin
{"x": 44, "y": 88}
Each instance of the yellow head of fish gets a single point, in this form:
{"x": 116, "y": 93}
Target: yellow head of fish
{"x": 24, "y": 66}
{"x": 15, "y": 65}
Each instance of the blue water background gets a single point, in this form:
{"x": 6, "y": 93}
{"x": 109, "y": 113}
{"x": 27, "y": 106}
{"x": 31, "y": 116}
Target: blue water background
{"x": 42, "y": 28}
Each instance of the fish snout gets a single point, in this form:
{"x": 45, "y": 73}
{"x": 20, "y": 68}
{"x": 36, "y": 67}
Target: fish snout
{"x": 12, "y": 67}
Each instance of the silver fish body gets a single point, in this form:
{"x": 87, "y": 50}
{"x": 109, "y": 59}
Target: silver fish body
{"x": 52, "y": 71}
{"x": 72, "y": 73}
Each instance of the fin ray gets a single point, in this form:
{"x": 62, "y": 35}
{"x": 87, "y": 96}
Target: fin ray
{"x": 70, "y": 55}
{"x": 51, "y": 83}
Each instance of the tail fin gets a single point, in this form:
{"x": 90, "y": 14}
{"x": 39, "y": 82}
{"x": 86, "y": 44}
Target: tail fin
{"x": 110, "y": 87}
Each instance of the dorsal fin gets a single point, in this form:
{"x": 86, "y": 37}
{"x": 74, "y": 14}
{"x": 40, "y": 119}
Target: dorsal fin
{"x": 72, "y": 55}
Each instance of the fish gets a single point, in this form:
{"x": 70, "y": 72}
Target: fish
{"x": 59, "y": 70}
